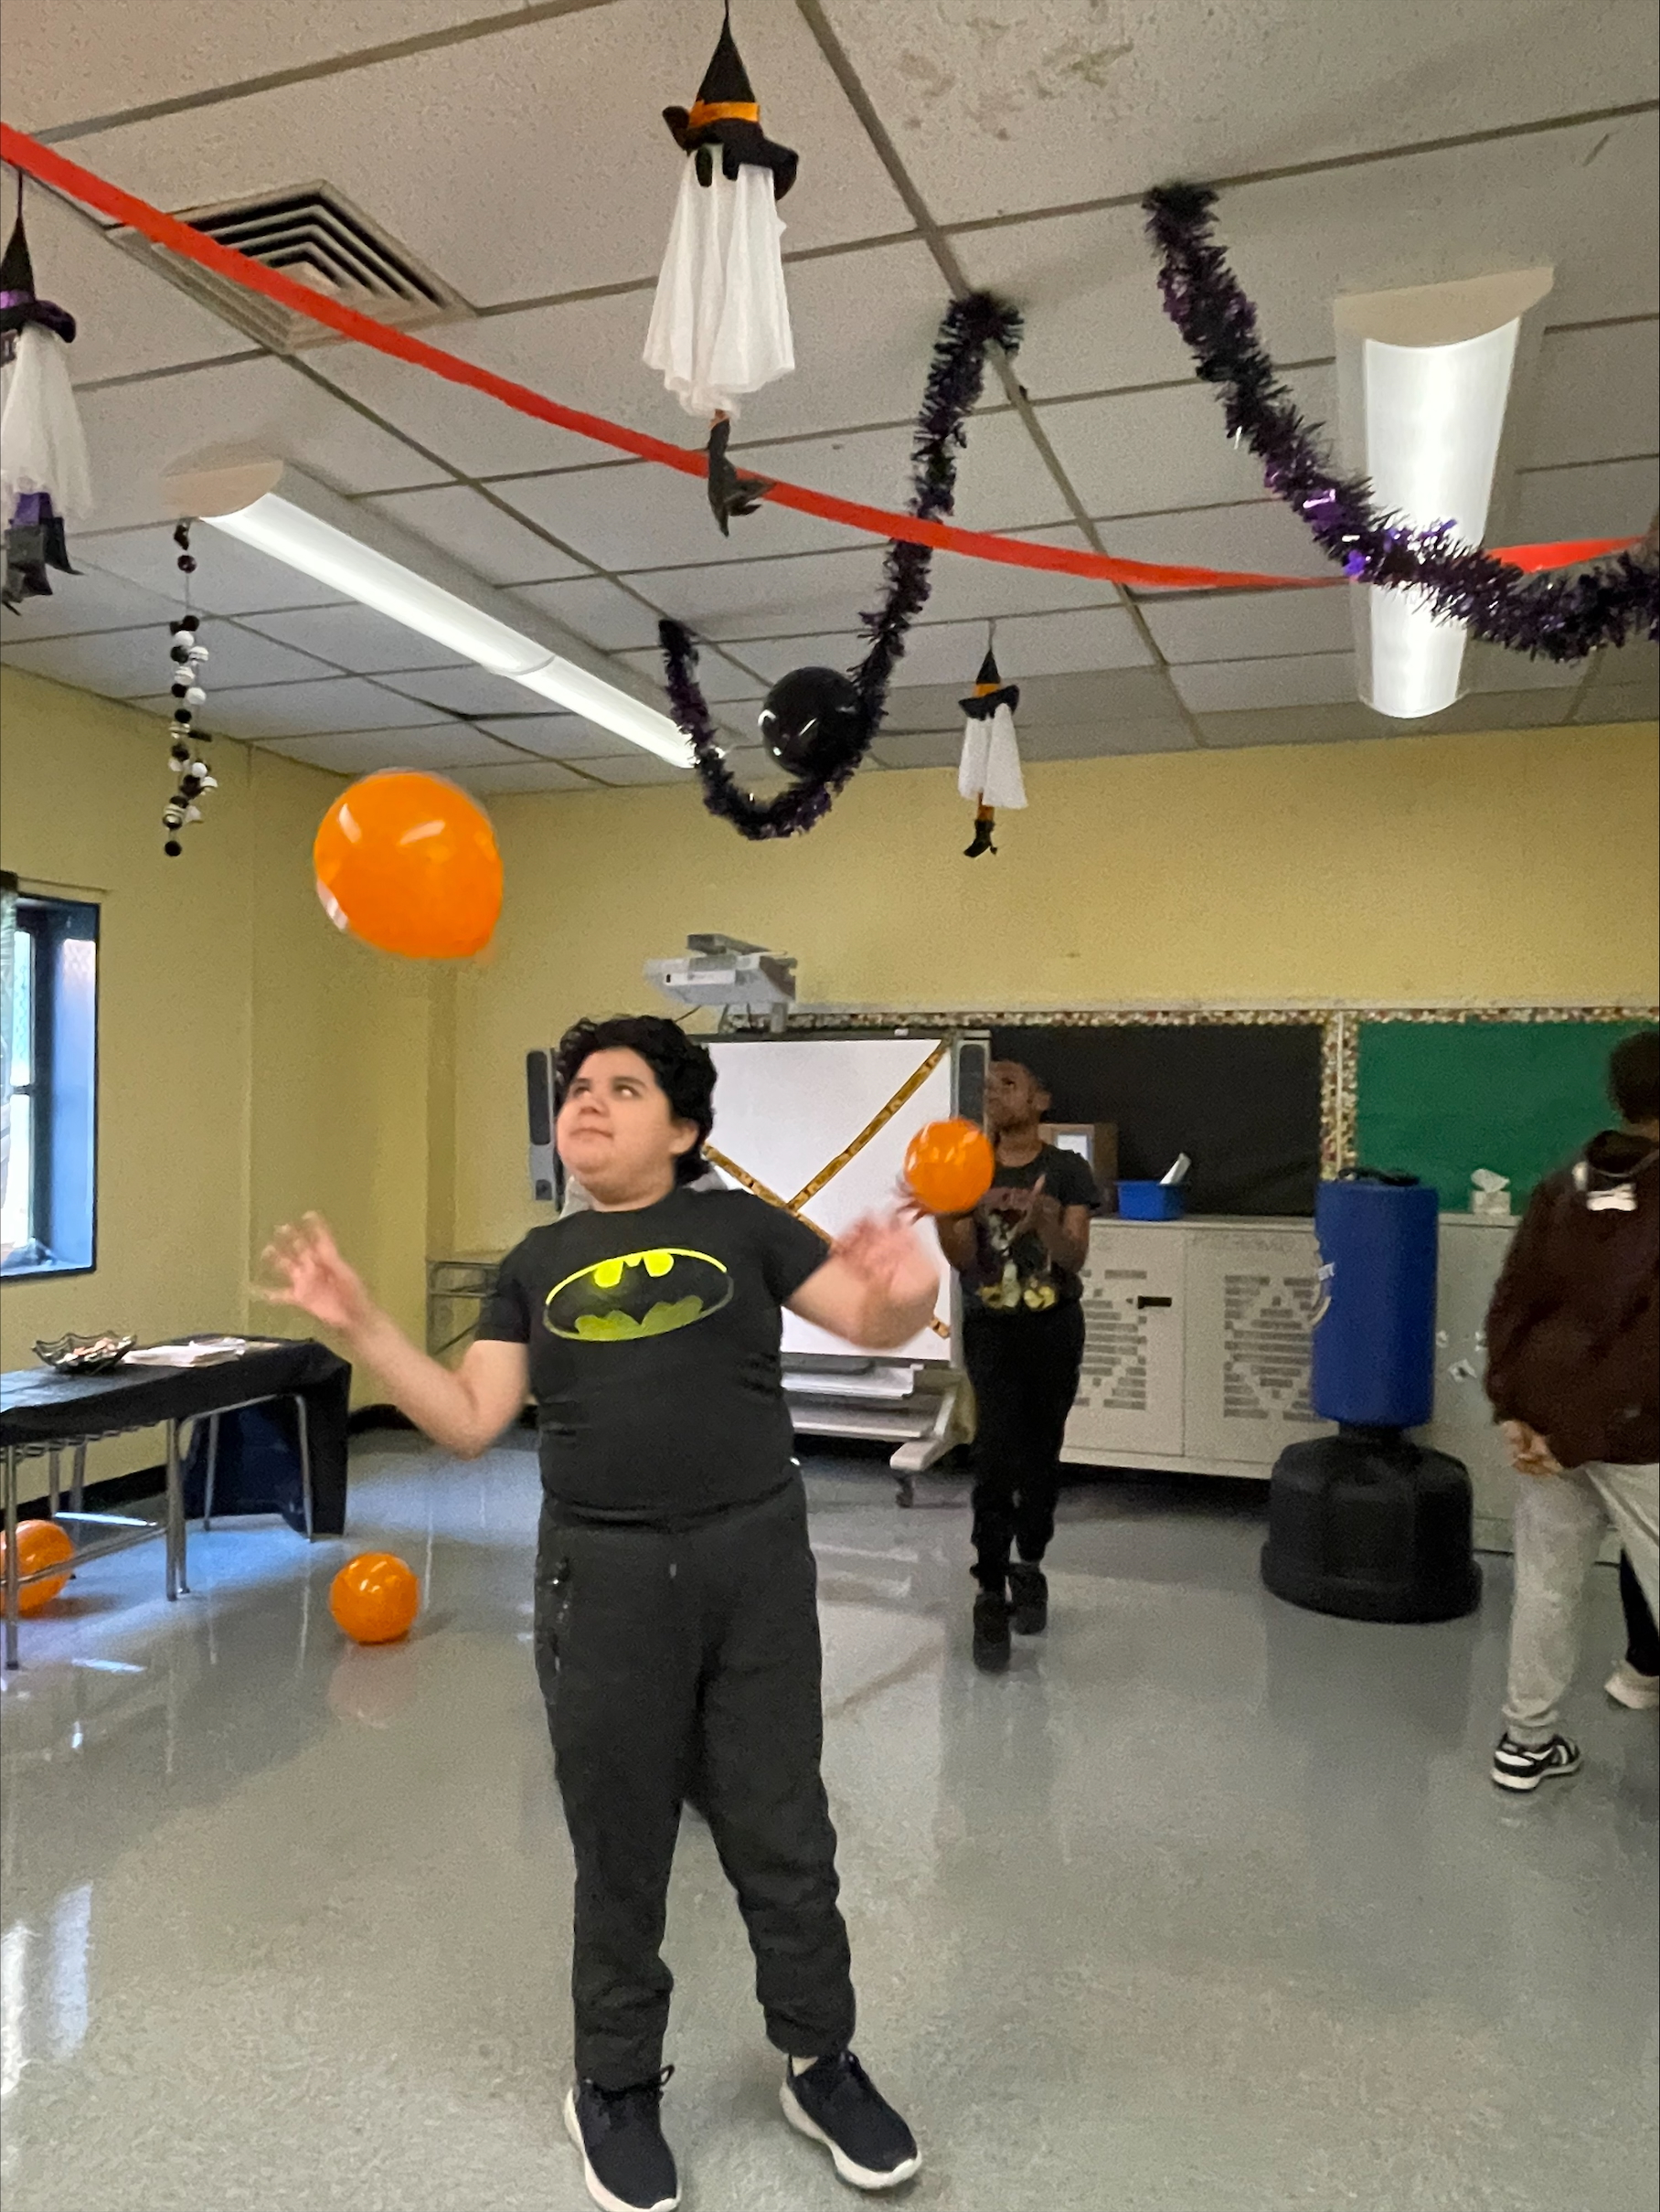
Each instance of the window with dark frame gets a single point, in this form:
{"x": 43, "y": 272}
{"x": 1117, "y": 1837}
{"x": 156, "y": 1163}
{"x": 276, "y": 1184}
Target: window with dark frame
{"x": 48, "y": 1208}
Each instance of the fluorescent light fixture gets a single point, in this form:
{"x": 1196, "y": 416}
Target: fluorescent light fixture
{"x": 1424, "y": 378}
{"x": 278, "y": 511}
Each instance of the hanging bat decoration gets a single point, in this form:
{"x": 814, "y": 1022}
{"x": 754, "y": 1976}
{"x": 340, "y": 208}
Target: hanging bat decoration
{"x": 989, "y": 772}
{"x": 720, "y": 322}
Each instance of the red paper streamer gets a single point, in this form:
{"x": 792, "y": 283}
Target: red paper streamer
{"x": 62, "y": 174}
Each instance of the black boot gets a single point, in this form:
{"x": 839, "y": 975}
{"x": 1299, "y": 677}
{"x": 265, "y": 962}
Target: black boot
{"x": 1029, "y": 1600}
{"x": 991, "y": 1632}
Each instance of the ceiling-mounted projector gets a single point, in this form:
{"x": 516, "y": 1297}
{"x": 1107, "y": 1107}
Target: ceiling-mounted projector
{"x": 720, "y": 970}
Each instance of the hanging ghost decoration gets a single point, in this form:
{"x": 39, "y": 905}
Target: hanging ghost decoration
{"x": 44, "y": 478}
{"x": 990, "y": 770}
{"x": 720, "y": 322}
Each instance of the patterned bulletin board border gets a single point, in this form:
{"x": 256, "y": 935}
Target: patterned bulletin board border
{"x": 1339, "y": 1028}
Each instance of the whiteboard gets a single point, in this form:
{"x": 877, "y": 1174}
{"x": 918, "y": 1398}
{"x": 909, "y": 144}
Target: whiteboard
{"x": 786, "y": 1108}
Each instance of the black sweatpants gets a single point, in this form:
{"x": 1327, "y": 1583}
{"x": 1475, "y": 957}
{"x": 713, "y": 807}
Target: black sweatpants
{"x": 1024, "y": 1368}
{"x": 1641, "y": 1640}
{"x": 663, "y": 1657}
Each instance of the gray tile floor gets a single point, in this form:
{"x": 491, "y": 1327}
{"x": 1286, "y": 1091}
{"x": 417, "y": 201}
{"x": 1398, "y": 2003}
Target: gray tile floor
{"x": 1206, "y": 1907}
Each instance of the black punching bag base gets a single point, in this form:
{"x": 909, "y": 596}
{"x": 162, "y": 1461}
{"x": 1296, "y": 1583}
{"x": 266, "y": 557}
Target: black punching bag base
{"x": 1370, "y": 1526}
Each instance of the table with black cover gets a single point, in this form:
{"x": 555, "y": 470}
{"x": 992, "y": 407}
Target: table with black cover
{"x": 42, "y": 1413}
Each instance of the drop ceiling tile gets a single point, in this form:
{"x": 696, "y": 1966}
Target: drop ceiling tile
{"x": 597, "y": 610}
{"x": 1002, "y": 481}
{"x": 230, "y": 577}
{"x": 301, "y": 710}
{"x": 1247, "y": 625}
{"x": 723, "y": 681}
{"x": 1596, "y": 396}
{"x": 1112, "y": 735}
{"x": 239, "y": 411}
{"x": 918, "y": 748}
{"x": 554, "y": 736}
{"x": 503, "y": 782}
{"x": 474, "y": 433}
{"x": 639, "y": 516}
{"x": 530, "y": 161}
{"x": 473, "y": 531}
{"x": 950, "y": 652}
{"x": 468, "y": 690}
{"x": 90, "y": 599}
{"x": 1497, "y": 710}
{"x": 1637, "y": 664}
{"x": 1602, "y": 499}
{"x": 1581, "y": 199}
{"x": 1258, "y": 536}
{"x": 129, "y": 664}
{"x": 1493, "y": 668}
{"x": 637, "y": 767}
{"x": 1143, "y": 451}
{"x": 1619, "y": 703}
{"x": 1001, "y": 104}
{"x": 1317, "y": 679}
{"x": 1327, "y": 725}
{"x": 754, "y": 768}
{"x": 113, "y": 58}
{"x": 740, "y": 598}
{"x": 965, "y": 589}
{"x": 436, "y": 747}
{"x": 355, "y": 638}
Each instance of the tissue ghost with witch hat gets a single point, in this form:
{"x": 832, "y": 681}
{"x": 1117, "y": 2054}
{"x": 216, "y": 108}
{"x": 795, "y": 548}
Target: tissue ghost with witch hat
{"x": 990, "y": 770}
{"x": 720, "y": 322}
{"x": 44, "y": 478}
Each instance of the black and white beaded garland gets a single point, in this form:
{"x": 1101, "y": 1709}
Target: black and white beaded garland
{"x": 186, "y": 654}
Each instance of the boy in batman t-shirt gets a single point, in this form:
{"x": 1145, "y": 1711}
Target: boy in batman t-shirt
{"x": 676, "y": 1628}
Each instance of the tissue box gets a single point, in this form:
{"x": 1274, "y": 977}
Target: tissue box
{"x": 1152, "y": 1201}
{"x": 1490, "y": 1204}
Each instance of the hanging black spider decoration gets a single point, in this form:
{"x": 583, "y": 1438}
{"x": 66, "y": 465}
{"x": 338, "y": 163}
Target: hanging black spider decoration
{"x": 187, "y": 656}
{"x": 817, "y": 722}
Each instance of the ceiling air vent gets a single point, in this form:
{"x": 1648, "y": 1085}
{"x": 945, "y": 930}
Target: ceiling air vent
{"x": 313, "y": 234}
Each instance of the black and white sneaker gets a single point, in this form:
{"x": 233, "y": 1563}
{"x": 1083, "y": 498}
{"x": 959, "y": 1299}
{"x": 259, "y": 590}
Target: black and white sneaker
{"x": 834, "y": 2103}
{"x": 991, "y": 1632}
{"x": 626, "y": 2163}
{"x": 1028, "y": 1595}
{"x": 1523, "y": 1766}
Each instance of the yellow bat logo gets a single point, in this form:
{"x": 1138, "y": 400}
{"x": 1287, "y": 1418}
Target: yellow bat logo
{"x": 637, "y": 1294}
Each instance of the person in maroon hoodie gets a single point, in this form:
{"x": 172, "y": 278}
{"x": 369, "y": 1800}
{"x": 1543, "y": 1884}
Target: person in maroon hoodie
{"x": 1573, "y": 1371}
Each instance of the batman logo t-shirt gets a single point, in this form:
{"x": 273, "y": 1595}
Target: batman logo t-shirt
{"x": 654, "y": 1342}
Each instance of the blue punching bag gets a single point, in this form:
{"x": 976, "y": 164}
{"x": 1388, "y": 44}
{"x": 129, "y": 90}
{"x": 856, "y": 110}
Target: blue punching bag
{"x": 1374, "y": 1347}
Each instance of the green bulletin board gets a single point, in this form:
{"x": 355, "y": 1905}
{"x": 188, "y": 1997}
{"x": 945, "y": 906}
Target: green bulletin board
{"x": 1443, "y": 1099}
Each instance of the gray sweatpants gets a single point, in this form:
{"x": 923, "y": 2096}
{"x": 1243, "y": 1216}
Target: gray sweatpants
{"x": 1560, "y": 1520}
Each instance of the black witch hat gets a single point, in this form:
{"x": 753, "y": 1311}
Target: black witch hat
{"x": 990, "y": 692}
{"x": 18, "y": 304}
{"x": 725, "y": 113}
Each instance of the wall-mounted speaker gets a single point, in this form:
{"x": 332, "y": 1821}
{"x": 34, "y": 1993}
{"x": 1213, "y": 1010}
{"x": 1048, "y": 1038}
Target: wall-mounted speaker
{"x": 545, "y": 1177}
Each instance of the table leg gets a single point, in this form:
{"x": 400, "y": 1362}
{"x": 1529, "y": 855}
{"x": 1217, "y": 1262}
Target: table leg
{"x": 175, "y": 1516}
{"x": 305, "y": 1463}
{"x": 213, "y": 1468}
{"x": 78, "y": 1480}
{"x": 11, "y": 1555}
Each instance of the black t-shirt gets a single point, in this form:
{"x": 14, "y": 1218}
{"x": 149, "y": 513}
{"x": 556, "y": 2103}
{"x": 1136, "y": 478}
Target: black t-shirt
{"x": 1010, "y": 1276}
{"x": 653, "y": 1343}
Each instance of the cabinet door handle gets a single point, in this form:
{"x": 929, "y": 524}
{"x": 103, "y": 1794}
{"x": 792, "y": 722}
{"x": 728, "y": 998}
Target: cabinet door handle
{"x": 1144, "y": 1302}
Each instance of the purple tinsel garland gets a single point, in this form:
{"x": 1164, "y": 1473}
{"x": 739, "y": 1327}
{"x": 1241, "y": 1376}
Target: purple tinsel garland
{"x": 1562, "y": 618}
{"x": 954, "y": 382}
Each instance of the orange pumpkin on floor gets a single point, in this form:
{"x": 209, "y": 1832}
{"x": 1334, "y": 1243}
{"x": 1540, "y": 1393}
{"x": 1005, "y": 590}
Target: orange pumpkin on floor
{"x": 39, "y": 1544}
{"x": 374, "y": 1598}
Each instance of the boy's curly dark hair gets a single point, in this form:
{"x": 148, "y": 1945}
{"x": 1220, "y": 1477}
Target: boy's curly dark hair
{"x": 1634, "y": 1075}
{"x": 685, "y": 1072}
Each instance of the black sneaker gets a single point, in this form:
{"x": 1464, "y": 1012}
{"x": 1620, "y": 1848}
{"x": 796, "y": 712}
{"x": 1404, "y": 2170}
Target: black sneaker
{"x": 1029, "y": 1594}
{"x": 1523, "y": 1766}
{"x": 626, "y": 2163}
{"x": 991, "y": 1632}
{"x": 834, "y": 2103}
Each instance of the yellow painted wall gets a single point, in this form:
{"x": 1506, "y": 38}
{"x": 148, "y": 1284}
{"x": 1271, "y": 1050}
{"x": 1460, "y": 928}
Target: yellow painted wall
{"x": 252, "y": 1062}
{"x": 1516, "y": 867}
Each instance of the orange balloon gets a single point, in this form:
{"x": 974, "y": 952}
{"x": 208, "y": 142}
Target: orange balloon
{"x": 949, "y": 1167}
{"x": 374, "y": 1598}
{"x": 39, "y": 1544}
{"x": 407, "y": 862}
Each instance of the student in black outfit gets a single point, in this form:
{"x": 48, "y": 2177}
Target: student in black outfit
{"x": 677, "y": 1628}
{"x": 1019, "y": 1254}
{"x": 1635, "y": 1681}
